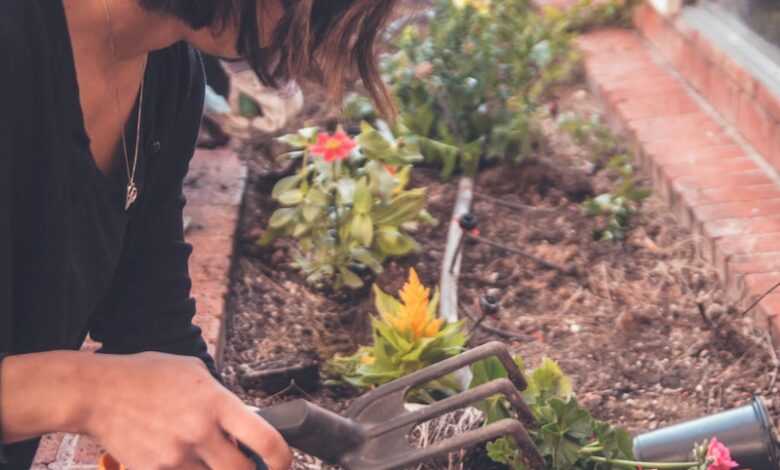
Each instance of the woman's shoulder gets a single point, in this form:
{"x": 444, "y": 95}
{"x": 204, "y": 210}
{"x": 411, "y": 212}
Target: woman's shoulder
{"x": 179, "y": 89}
{"x": 182, "y": 79}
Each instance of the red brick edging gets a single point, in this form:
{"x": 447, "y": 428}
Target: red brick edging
{"x": 215, "y": 187}
{"x": 712, "y": 178}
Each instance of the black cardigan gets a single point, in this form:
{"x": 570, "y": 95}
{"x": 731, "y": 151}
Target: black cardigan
{"x": 72, "y": 262}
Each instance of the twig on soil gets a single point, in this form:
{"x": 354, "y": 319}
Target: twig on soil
{"x": 758, "y": 301}
{"x": 606, "y": 282}
{"x": 703, "y": 314}
{"x": 492, "y": 330}
{"x": 570, "y": 301}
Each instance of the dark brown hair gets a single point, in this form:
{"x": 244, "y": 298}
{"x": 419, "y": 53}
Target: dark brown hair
{"x": 324, "y": 39}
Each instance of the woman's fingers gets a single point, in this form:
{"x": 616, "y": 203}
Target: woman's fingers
{"x": 256, "y": 434}
{"x": 219, "y": 453}
{"x": 197, "y": 466}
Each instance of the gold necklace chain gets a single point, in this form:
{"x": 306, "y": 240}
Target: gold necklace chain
{"x": 132, "y": 190}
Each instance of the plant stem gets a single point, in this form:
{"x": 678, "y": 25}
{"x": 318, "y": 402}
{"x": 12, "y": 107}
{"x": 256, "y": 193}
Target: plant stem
{"x": 305, "y": 171}
{"x": 590, "y": 449}
{"x": 654, "y": 465}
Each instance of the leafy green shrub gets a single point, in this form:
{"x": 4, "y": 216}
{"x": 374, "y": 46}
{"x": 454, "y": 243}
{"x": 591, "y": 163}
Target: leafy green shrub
{"x": 348, "y": 207}
{"x": 469, "y": 86}
{"x": 408, "y": 335}
{"x": 616, "y": 207}
{"x": 567, "y": 436}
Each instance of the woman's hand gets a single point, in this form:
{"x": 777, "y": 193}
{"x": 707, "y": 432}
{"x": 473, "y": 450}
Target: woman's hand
{"x": 156, "y": 411}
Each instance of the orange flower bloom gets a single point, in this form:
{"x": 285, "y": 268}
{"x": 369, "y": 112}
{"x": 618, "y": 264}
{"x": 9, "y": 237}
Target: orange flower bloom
{"x": 391, "y": 169}
{"x": 413, "y": 316}
{"x": 109, "y": 463}
{"x": 333, "y": 147}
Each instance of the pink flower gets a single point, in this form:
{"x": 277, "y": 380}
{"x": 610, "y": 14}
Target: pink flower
{"x": 719, "y": 456}
{"x": 333, "y": 147}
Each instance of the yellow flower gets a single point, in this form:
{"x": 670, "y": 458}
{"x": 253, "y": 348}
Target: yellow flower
{"x": 413, "y": 316}
{"x": 481, "y": 6}
{"x": 367, "y": 359}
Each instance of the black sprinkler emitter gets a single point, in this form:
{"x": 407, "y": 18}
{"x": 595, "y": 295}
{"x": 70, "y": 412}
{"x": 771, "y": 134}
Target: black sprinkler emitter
{"x": 468, "y": 223}
{"x": 489, "y": 305}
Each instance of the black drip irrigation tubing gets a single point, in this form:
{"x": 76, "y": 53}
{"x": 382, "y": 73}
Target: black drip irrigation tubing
{"x": 468, "y": 224}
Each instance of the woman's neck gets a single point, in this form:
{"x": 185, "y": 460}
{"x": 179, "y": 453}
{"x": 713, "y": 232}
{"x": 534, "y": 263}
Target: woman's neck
{"x": 134, "y": 31}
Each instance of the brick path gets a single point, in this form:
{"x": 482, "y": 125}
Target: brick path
{"x": 216, "y": 185}
{"x": 703, "y": 159}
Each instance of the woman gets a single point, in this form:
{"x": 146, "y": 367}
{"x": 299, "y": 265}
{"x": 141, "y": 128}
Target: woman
{"x": 101, "y": 101}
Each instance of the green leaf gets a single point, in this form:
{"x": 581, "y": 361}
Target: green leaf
{"x": 285, "y": 184}
{"x": 385, "y": 304}
{"x": 373, "y": 143}
{"x": 502, "y": 451}
{"x": 550, "y": 380}
{"x": 346, "y": 190}
{"x": 299, "y": 230}
{"x": 316, "y": 197}
{"x": 403, "y": 176}
{"x": 486, "y": 370}
{"x": 363, "y": 200}
{"x": 291, "y": 197}
{"x": 436, "y": 151}
{"x": 294, "y": 140}
{"x": 365, "y": 257}
{"x": 282, "y": 217}
{"x": 402, "y": 208}
{"x": 392, "y": 242}
{"x": 350, "y": 279}
{"x": 433, "y": 304}
{"x": 362, "y": 229}
{"x": 420, "y": 121}
{"x": 311, "y": 212}
{"x": 625, "y": 444}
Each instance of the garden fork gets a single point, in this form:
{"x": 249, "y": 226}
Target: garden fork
{"x": 373, "y": 433}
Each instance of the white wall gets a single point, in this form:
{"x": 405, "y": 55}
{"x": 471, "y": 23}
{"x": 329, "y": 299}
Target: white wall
{"x": 667, "y": 7}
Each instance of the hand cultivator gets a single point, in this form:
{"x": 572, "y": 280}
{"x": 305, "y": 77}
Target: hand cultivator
{"x": 372, "y": 435}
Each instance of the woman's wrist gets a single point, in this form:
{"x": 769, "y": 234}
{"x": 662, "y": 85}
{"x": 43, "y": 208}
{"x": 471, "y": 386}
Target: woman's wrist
{"x": 49, "y": 392}
{"x": 80, "y": 381}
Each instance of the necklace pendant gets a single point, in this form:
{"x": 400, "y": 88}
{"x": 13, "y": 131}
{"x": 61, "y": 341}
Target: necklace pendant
{"x": 131, "y": 196}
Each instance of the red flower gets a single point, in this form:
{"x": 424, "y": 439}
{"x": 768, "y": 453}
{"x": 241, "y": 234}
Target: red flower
{"x": 719, "y": 456}
{"x": 333, "y": 147}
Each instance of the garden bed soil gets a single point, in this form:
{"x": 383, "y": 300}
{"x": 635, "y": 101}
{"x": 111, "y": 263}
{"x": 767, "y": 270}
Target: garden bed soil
{"x": 644, "y": 328}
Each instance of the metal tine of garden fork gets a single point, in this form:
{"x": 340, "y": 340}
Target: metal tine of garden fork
{"x": 469, "y": 397}
{"x": 423, "y": 376}
{"x": 505, "y": 427}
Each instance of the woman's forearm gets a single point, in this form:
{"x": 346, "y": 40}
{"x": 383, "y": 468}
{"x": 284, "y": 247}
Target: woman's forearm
{"x": 45, "y": 392}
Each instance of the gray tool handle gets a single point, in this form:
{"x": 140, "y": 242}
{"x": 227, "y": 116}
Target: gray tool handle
{"x": 314, "y": 430}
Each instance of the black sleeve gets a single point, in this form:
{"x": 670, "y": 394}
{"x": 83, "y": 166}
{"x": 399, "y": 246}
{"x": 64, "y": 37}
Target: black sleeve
{"x": 150, "y": 307}
{"x": 12, "y": 75}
